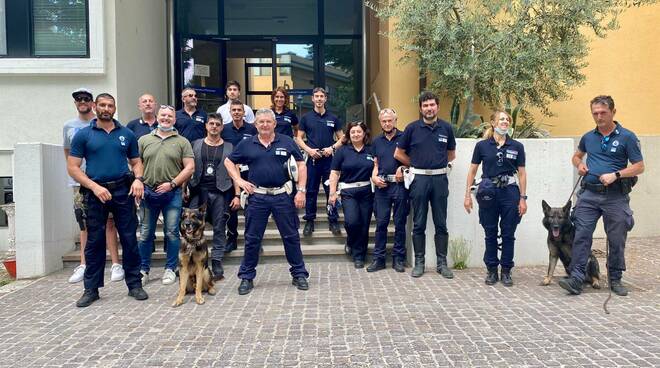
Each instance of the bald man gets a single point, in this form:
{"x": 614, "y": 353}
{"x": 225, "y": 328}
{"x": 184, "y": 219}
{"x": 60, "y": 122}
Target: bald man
{"x": 147, "y": 122}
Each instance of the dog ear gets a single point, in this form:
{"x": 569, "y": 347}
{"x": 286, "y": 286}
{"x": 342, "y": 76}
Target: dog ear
{"x": 567, "y": 207}
{"x": 545, "y": 205}
{"x": 202, "y": 208}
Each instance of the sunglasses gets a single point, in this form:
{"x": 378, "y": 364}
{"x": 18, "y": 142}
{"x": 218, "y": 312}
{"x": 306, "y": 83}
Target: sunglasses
{"x": 603, "y": 143}
{"x": 168, "y": 107}
{"x": 82, "y": 99}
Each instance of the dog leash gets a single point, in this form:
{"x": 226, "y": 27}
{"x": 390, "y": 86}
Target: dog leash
{"x": 607, "y": 253}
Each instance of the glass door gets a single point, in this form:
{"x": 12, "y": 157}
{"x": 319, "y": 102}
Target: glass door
{"x": 297, "y": 72}
{"x": 202, "y": 65}
{"x": 250, "y": 63}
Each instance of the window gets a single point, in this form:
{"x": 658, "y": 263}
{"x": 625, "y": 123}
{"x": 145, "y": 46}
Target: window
{"x": 44, "y": 28}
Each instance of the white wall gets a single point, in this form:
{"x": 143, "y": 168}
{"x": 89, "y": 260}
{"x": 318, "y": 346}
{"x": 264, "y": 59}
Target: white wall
{"x": 44, "y": 220}
{"x": 549, "y": 177}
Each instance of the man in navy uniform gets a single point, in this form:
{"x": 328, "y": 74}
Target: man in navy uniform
{"x": 607, "y": 180}
{"x": 324, "y": 132}
{"x": 146, "y": 123}
{"x": 427, "y": 146}
{"x": 106, "y": 146}
{"x": 234, "y": 132}
{"x": 391, "y": 194}
{"x": 270, "y": 186}
{"x": 190, "y": 121}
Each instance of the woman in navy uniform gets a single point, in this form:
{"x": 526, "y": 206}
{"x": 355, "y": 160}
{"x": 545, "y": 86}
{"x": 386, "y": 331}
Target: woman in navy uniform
{"x": 350, "y": 176}
{"x": 500, "y": 196}
{"x": 287, "y": 121}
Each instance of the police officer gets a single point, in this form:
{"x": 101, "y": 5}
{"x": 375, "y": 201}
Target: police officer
{"x": 212, "y": 185}
{"x": 190, "y": 121}
{"x": 352, "y": 166}
{"x": 427, "y": 146}
{"x": 287, "y": 121}
{"x": 146, "y": 123}
{"x": 269, "y": 186}
{"x": 391, "y": 194}
{"x": 607, "y": 180}
{"x": 321, "y": 127}
{"x": 501, "y": 198}
{"x": 234, "y": 132}
{"x": 106, "y": 145}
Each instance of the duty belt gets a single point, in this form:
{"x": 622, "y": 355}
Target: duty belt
{"x": 501, "y": 181}
{"x": 389, "y": 178}
{"x": 428, "y": 171}
{"x": 600, "y": 188}
{"x": 112, "y": 185}
{"x": 272, "y": 191}
{"x": 357, "y": 184}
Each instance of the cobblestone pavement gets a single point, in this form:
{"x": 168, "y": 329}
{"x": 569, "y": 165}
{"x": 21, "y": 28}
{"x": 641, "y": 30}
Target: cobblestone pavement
{"x": 348, "y": 318}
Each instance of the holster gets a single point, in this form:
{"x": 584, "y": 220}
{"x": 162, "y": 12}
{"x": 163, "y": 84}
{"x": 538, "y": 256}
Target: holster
{"x": 627, "y": 184}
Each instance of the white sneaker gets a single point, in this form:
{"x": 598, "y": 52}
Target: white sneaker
{"x": 78, "y": 274}
{"x": 117, "y": 272}
{"x": 169, "y": 277}
{"x": 145, "y": 278}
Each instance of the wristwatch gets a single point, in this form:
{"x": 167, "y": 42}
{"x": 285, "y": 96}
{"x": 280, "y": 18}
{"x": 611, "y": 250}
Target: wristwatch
{"x": 523, "y": 197}
{"x": 618, "y": 174}
{"x": 173, "y": 184}
{"x": 140, "y": 178}
{"x": 301, "y": 190}
{"x": 237, "y": 196}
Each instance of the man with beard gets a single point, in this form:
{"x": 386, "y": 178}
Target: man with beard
{"x": 390, "y": 194}
{"x": 190, "y": 121}
{"x": 83, "y": 100}
{"x": 270, "y": 188}
{"x": 427, "y": 146}
{"x": 233, "y": 91}
{"x": 147, "y": 122}
{"x": 323, "y": 131}
{"x": 108, "y": 187}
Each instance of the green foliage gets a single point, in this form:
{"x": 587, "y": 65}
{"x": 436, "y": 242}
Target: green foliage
{"x": 528, "y": 51}
{"x": 459, "y": 251}
{"x": 469, "y": 127}
{"x": 528, "y": 128}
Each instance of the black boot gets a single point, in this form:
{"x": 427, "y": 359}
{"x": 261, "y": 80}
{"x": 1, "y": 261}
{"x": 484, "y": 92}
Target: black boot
{"x": 376, "y": 265}
{"x": 441, "y": 245}
{"x": 491, "y": 277}
{"x": 419, "y": 246}
{"x": 506, "y": 277}
{"x": 618, "y": 288}
{"x": 309, "y": 228}
{"x": 216, "y": 269}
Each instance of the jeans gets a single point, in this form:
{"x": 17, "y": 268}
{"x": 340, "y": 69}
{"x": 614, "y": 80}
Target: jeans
{"x": 171, "y": 218}
{"x": 217, "y": 206}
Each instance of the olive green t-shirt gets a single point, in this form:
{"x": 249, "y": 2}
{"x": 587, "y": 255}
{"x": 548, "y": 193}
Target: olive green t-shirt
{"x": 163, "y": 158}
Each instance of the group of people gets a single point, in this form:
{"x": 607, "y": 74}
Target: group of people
{"x": 236, "y": 158}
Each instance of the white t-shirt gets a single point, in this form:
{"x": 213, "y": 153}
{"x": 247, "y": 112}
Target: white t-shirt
{"x": 226, "y": 115}
{"x": 70, "y": 129}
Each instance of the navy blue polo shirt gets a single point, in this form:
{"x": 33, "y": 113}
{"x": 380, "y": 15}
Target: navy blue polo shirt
{"x": 285, "y": 122}
{"x": 320, "y": 129}
{"x": 266, "y": 163}
{"x": 499, "y": 161}
{"x": 609, "y": 154}
{"x": 106, "y": 154}
{"x": 427, "y": 144}
{"x": 231, "y": 134}
{"x": 353, "y": 165}
{"x": 141, "y": 128}
{"x": 192, "y": 127}
{"x": 383, "y": 150}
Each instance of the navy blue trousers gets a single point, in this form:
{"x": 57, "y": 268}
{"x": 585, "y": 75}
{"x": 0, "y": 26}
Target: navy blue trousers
{"x": 392, "y": 198}
{"x": 122, "y": 207}
{"x": 259, "y": 207}
{"x": 318, "y": 171}
{"x": 618, "y": 220}
{"x": 501, "y": 211}
{"x": 433, "y": 189}
{"x": 358, "y": 204}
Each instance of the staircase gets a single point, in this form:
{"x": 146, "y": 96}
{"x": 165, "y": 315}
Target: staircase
{"x": 321, "y": 245}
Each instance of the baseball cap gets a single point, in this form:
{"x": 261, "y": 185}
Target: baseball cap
{"x": 82, "y": 91}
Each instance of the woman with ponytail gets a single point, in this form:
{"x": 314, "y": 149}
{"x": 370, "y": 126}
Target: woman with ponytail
{"x": 500, "y": 195}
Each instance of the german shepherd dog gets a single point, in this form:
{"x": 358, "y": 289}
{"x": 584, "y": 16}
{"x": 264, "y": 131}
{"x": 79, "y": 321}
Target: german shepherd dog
{"x": 194, "y": 274}
{"x": 557, "y": 221}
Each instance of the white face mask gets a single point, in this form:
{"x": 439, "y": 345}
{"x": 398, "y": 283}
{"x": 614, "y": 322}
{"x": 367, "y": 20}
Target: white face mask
{"x": 501, "y": 131}
{"x": 163, "y": 129}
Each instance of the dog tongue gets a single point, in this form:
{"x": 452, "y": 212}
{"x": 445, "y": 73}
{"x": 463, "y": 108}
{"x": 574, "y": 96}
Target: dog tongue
{"x": 555, "y": 233}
